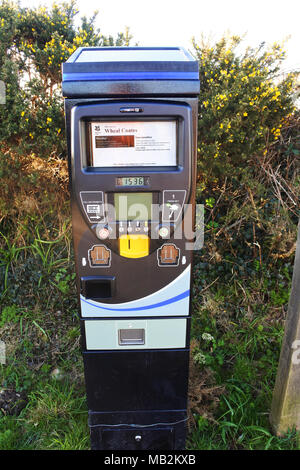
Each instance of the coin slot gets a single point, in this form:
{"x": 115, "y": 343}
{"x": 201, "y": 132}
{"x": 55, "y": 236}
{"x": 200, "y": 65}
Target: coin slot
{"x": 134, "y": 245}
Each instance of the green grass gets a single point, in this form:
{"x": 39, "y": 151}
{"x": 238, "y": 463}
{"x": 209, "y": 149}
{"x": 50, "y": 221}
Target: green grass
{"x": 242, "y": 316}
{"x": 243, "y": 322}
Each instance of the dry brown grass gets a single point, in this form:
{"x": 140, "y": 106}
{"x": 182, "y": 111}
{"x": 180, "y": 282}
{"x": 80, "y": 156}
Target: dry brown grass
{"x": 204, "y": 394}
{"x": 33, "y": 188}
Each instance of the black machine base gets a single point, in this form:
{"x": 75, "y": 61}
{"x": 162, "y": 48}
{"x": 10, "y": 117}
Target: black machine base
{"x": 152, "y": 384}
{"x": 167, "y": 434}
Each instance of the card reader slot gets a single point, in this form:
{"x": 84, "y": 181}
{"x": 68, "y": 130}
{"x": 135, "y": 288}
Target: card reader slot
{"x": 97, "y": 287}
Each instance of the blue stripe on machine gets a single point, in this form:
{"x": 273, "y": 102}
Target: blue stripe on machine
{"x": 70, "y": 77}
{"x": 145, "y": 307}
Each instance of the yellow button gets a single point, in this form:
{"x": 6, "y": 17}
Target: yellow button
{"x": 134, "y": 246}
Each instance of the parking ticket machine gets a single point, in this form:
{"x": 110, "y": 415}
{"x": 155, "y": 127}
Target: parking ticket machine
{"x": 131, "y": 119}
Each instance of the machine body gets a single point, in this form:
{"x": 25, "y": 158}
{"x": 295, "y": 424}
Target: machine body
{"x": 131, "y": 119}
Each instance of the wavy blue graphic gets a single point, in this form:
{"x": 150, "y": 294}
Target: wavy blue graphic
{"x": 181, "y": 296}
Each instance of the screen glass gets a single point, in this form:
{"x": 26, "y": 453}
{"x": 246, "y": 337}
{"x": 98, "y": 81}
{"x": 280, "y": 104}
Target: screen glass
{"x": 133, "y": 143}
{"x": 133, "y": 206}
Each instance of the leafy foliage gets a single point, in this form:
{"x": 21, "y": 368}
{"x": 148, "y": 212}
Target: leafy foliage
{"x": 242, "y": 105}
{"x": 33, "y": 45}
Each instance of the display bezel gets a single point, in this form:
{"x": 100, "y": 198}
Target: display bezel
{"x": 88, "y": 161}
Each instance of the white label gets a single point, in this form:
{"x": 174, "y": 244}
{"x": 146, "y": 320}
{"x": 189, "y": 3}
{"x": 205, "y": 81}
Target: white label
{"x": 136, "y": 143}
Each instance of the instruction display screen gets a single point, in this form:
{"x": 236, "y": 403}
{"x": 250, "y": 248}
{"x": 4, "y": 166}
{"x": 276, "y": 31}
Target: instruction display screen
{"x": 135, "y": 143}
{"x": 133, "y": 206}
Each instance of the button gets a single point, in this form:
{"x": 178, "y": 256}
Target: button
{"x": 168, "y": 255}
{"x": 99, "y": 255}
{"x": 163, "y": 232}
{"x": 103, "y": 233}
{"x": 92, "y": 203}
{"x": 172, "y": 204}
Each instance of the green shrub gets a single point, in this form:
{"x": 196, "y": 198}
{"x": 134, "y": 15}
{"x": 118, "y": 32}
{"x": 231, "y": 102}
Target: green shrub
{"x": 33, "y": 44}
{"x": 242, "y": 106}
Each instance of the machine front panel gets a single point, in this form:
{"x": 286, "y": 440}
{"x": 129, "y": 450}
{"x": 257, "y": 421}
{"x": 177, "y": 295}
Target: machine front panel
{"x": 131, "y": 186}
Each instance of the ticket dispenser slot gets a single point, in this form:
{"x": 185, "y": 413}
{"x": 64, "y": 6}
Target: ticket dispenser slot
{"x": 131, "y": 336}
{"x": 131, "y": 122}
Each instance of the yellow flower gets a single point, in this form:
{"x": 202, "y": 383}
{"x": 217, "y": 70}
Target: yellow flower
{"x": 245, "y": 114}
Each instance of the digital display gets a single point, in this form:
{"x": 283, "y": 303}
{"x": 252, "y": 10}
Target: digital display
{"x": 133, "y": 206}
{"x": 132, "y": 181}
{"x": 133, "y": 143}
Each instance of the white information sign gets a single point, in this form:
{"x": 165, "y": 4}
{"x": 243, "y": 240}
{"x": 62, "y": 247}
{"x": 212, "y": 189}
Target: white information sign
{"x": 135, "y": 143}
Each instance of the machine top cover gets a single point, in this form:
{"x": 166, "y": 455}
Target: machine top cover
{"x": 150, "y": 68}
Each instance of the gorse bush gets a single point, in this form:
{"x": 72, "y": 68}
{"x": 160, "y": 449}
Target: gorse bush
{"x": 242, "y": 106}
{"x": 33, "y": 45}
{"x": 248, "y": 146}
